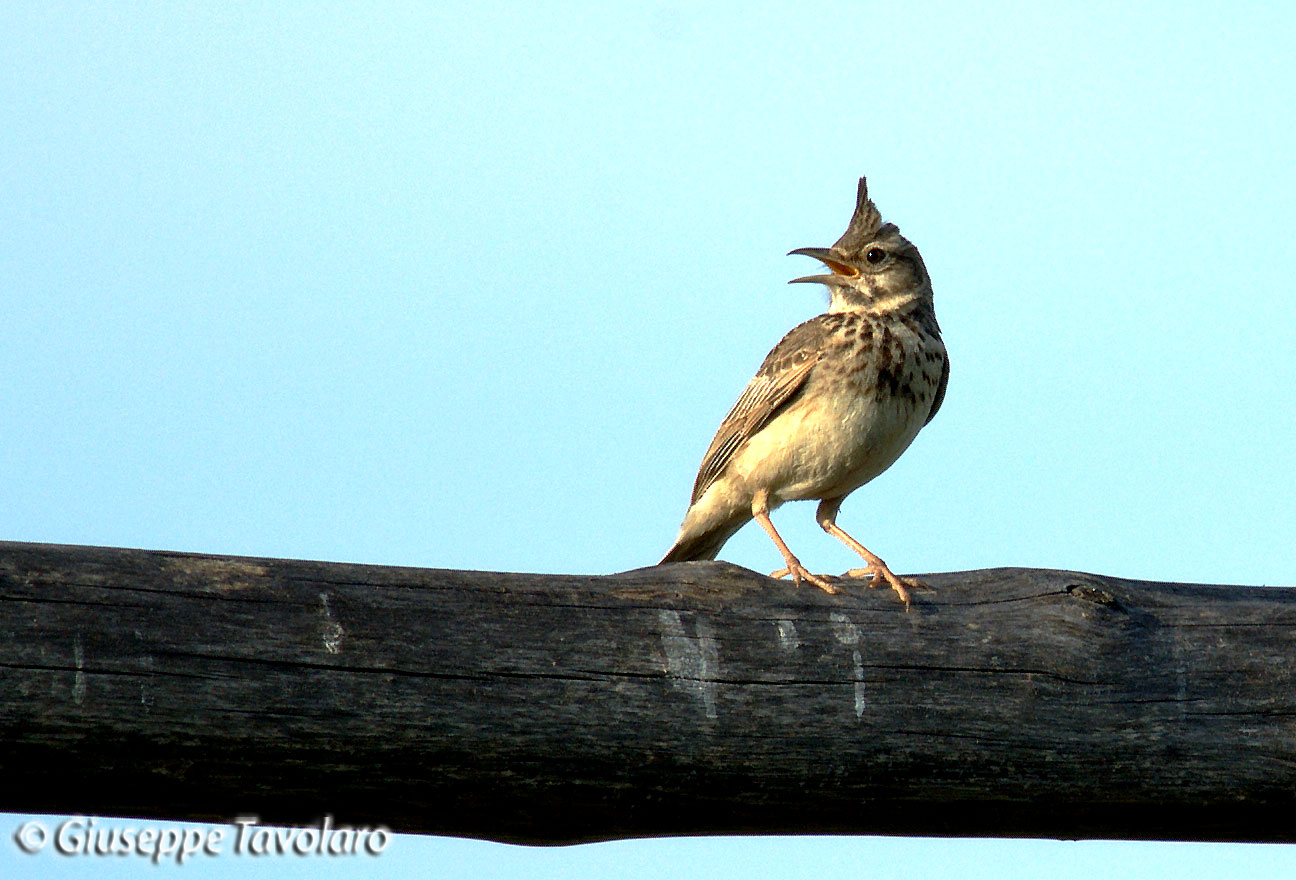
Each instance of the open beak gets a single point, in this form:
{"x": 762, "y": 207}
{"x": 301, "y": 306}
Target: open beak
{"x": 840, "y": 271}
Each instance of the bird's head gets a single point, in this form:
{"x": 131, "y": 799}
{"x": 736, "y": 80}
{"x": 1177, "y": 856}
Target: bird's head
{"x": 872, "y": 266}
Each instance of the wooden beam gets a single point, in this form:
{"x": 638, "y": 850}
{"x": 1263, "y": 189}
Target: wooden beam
{"x": 698, "y": 698}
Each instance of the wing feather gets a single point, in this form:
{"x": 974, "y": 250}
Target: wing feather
{"x": 940, "y": 390}
{"x": 780, "y": 377}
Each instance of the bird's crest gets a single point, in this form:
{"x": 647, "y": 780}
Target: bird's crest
{"x": 864, "y": 223}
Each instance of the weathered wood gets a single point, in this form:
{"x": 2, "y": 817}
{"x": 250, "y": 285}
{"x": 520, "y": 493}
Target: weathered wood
{"x": 692, "y": 699}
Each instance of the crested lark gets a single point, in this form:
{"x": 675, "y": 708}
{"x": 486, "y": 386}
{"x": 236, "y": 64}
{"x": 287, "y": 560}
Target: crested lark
{"x": 832, "y": 406}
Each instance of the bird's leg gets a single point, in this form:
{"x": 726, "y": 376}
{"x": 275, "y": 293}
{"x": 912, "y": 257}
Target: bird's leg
{"x": 760, "y": 512}
{"x": 877, "y": 569}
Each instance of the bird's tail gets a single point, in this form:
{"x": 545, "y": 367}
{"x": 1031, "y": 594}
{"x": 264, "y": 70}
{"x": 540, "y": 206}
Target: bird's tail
{"x": 704, "y": 545}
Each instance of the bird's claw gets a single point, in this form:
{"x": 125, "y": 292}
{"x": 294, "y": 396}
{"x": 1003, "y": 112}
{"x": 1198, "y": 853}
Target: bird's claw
{"x": 880, "y": 574}
{"x": 799, "y": 573}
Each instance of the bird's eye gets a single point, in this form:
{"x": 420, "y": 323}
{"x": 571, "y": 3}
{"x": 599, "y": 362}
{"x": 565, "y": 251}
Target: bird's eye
{"x": 875, "y": 255}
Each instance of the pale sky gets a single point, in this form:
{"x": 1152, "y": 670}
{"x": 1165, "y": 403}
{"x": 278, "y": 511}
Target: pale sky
{"x": 471, "y": 286}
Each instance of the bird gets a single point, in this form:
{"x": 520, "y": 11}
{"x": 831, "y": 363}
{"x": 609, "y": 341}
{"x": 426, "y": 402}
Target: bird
{"x": 833, "y": 405}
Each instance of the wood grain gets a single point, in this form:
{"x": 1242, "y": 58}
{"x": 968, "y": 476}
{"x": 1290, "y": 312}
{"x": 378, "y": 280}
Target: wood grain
{"x": 698, "y": 698}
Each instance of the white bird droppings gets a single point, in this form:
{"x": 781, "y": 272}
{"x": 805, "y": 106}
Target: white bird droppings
{"x": 844, "y": 630}
{"x": 859, "y": 684}
{"x": 693, "y": 664}
{"x": 789, "y": 641}
{"x": 331, "y": 629}
{"x": 79, "y": 677}
{"x": 848, "y": 633}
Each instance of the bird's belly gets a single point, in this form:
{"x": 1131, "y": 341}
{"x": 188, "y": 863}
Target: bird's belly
{"x": 831, "y": 448}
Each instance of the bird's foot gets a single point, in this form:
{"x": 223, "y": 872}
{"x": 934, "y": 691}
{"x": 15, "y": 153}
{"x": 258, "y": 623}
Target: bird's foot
{"x": 799, "y": 573}
{"x": 880, "y": 574}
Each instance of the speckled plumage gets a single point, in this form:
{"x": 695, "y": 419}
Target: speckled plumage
{"x": 833, "y": 405}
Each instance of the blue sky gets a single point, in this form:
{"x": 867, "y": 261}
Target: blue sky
{"x": 471, "y": 286}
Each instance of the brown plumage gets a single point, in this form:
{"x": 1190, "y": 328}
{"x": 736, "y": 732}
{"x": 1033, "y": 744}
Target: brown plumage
{"x": 834, "y": 403}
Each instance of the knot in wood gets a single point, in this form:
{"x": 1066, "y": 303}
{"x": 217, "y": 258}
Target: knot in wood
{"x": 1097, "y": 595}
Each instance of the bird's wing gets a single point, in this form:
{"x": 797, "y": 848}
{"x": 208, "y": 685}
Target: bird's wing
{"x": 940, "y": 390}
{"x": 782, "y": 374}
